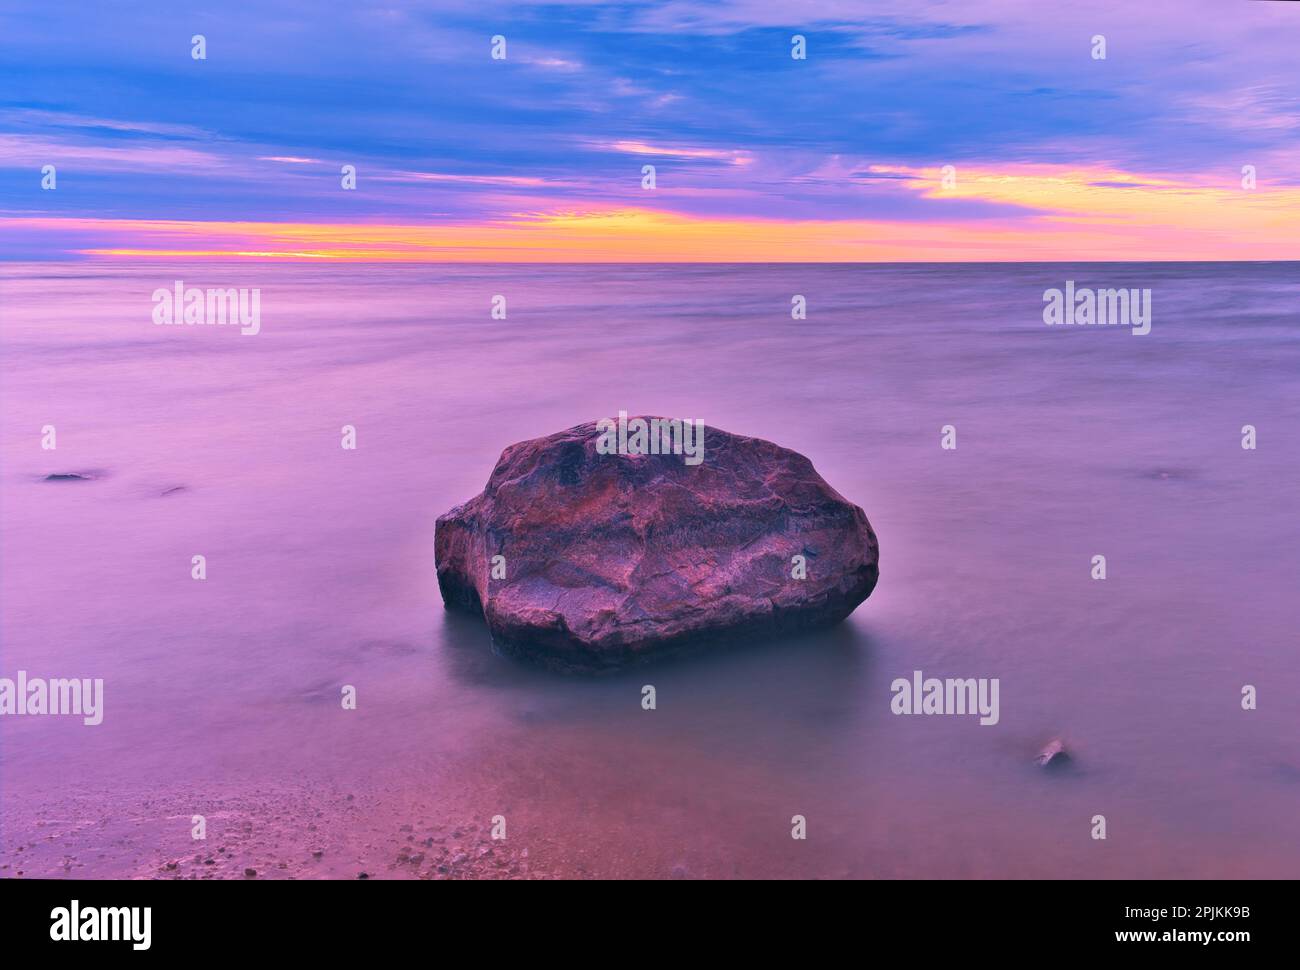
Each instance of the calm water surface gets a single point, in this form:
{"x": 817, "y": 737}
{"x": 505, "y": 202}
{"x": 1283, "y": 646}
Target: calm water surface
{"x": 1071, "y": 443}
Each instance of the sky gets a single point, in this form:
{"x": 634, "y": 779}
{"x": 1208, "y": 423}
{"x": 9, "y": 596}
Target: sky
{"x": 1054, "y": 153}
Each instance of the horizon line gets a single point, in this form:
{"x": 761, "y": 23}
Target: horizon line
{"x": 161, "y": 257}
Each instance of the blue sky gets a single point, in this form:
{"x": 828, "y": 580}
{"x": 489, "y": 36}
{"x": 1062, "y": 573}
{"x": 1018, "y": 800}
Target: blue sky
{"x": 444, "y": 136}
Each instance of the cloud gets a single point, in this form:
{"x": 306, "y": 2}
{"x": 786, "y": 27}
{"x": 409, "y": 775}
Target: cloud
{"x": 741, "y": 133}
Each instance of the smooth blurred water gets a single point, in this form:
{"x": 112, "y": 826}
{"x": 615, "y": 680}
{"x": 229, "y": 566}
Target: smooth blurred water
{"x": 1071, "y": 443}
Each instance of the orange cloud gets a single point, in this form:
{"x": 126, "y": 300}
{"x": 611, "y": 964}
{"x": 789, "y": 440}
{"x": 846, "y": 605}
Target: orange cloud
{"x": 1070, "y": 214}
{"x": 1102, "y": 196}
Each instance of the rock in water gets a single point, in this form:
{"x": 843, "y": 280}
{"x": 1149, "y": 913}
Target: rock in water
{"x": 583, "y": 560}
{"x": 1053, "y": 755}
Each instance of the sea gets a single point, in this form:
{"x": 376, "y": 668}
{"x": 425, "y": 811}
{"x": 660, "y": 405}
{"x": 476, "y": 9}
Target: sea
{"x": 1172, "y": 682}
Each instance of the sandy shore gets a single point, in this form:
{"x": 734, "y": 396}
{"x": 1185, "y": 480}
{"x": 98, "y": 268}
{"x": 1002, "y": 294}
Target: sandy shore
{"x": 290, "y": 833}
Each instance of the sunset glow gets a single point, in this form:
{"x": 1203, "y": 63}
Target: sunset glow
{"x": 913, "y": 132}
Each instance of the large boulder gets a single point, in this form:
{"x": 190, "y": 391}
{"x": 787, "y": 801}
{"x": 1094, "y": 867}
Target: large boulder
{"x": 611, "y": 558}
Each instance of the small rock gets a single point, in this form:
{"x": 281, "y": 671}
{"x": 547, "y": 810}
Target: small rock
{"x": 363, "y": 875}
{"x": 250, "y": 872}
{"x": 1053, "y": 755}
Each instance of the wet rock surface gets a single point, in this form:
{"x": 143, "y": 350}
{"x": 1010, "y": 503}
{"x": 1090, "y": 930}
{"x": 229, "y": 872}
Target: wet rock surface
{"x": 1053, "y": 755}
{"x": 584, "y": 560}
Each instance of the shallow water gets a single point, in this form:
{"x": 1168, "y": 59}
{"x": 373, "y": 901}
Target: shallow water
{"x": 1071, "y": 443}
